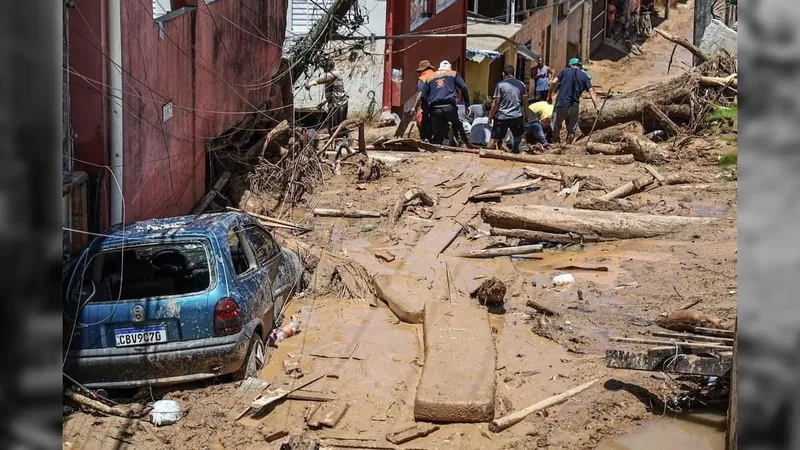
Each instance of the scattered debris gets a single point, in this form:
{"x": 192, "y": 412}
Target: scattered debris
{"x": 385, "y": 256}
{"x": 409, "y": 432}
{"x": 563, "y": 279}
{"x": 166, "y": 412}
{"x": 407, "y": 199}
{"x": 349, "y": 214}
{"x": 132, "y": 411}
{"x": 501, "y": 251}
{"x": 541, "y": 308}
{"x": 328, "y": 415}
{"x": 591, "y": 268}
{"x": 276, "y": 395}
{"x": 689, "y": 319}
{"x": 286, "y": 331}
{"x": 491, "y": 292}
{"x": 482, "y": 193}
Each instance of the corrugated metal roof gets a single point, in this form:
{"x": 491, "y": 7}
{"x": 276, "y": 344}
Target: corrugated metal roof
{"x": 489, "y": 44}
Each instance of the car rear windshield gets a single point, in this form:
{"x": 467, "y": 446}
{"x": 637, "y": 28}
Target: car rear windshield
{"x": 141, "y": 272}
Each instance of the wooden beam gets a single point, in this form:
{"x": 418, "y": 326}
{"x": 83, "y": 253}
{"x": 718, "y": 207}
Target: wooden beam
{"x": 665, "y": 342}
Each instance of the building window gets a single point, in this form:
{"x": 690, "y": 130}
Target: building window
{"x": 305, "y": 13}
{"x": 162, "y": 7}
{"x": 442, "y": 4}
{"x": 420, "y": 12}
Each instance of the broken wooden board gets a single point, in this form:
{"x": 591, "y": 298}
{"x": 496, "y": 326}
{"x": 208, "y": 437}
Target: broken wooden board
{"x": 439, "y": 237}
{"x": 328, "y": 415}
{"x": 409, "y": 432}
{"x": 665, "y": 360}
{"x": 278, "y": 394}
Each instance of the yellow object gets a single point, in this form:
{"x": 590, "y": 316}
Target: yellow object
{"x": 542, "y": 109}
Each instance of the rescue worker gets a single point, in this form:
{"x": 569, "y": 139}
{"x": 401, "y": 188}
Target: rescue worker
{"x": 424, "y": 72}
{"x": 336, "y": 98}
{"x": 569, "y": 85}
{"x": 538, "y": 128}
{"x": 439, "y": 92}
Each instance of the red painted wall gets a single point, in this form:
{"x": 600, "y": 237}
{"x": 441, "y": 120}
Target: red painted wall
{"x": 212, "y": 71}
{"x": 407, "y": 53}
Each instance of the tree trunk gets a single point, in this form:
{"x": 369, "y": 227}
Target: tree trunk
{"x": 501, "y": 251}
{"x": 614, "y": 133}
{"x": 643, "y": 149}
{"x": 542, "y": 236}
{"x": 602, "y": 223}
{"x": 505, "y": 188}
{"x": 664, "y": 120}
{"x": 629, "y": 188}
{"x": 631, "y": 106}
{"x": 354, "y": 214}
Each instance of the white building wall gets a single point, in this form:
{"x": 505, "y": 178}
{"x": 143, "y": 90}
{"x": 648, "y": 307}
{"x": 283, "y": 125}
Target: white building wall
{"x": 362, "y": 69}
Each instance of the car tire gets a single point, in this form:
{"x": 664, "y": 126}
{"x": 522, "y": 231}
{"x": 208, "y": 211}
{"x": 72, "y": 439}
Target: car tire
{"x": 255, "y": 360}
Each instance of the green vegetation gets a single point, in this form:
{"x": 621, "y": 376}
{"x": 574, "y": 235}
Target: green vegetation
{"x": 723, "y": 113}
{"x": 728, "y": 159}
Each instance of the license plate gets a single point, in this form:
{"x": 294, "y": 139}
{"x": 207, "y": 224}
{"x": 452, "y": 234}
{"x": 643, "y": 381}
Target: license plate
{"x": 140, "y": 336}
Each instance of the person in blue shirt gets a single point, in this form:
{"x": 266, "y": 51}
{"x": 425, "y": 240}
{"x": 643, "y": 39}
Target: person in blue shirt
{"x": 439, "y": 92}
{"x": 569, "y": 85}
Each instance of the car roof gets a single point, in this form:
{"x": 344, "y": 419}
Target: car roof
{"x": 153, "y": 230}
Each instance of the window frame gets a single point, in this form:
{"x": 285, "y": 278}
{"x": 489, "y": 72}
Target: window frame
{"x": 252, "y": 262}
{"x": 256, "y": 228}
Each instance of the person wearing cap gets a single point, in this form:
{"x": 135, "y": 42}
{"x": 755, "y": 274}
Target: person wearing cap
{"x": 335, "y": 96}
{"x": 509, "y": 110}
{"x": 439, "y": 91}
{"x": 569, "y": 85}
{"x": 424, "y": 72}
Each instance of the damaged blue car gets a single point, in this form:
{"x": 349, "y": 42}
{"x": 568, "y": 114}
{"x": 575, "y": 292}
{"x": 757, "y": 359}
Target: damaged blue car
{"x": 173, "y": 300}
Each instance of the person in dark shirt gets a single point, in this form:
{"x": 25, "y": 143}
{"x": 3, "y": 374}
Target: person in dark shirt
{"x": 439, "y": 92}
{"x": 509, "y": 110}
{"x": 570, "y": 84}
{"x": 424, "y": 72}
{"x": 335, "y": 96}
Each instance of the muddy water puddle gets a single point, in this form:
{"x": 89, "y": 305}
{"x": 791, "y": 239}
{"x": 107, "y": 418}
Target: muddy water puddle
{"x": 672, "y": 433}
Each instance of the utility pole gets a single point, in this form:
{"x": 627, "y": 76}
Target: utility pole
{"x": 702, "y": 18}
{"x": 307, "y": 50}
{"x": 554, "y": 32}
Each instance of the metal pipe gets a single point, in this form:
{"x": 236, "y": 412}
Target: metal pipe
{"x": 115, "y": 110}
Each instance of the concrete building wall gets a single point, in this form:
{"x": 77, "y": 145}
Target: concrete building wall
{"x": 214, "y": 63}
{"x": 362, "y": 69}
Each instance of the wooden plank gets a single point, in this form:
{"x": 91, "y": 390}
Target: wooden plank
{"x": 731, "y": 435}
{"x": 692, "y": 337}
{"x": 665, "y": 360}
{"x": 714, "y": 332}
{"x": 707, "y": 346}
{"x": 279, "y": 394}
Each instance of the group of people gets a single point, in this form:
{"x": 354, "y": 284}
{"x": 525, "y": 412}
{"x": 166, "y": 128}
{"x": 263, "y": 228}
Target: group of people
{"x": 442, "y": 106}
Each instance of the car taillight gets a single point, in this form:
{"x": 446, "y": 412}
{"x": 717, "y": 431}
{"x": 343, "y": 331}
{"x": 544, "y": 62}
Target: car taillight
{"x": 227, "y": 318}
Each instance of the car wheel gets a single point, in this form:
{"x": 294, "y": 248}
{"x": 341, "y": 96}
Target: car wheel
{"x": 255, "y": 361}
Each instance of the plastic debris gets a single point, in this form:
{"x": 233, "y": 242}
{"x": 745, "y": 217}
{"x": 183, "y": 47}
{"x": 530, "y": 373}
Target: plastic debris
{"x": 563, "y": 279}
{"x": 166, "y": 412}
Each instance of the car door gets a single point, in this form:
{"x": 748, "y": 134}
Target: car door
{"x": 269, "y": 256}
{"x": 251, "y": 277}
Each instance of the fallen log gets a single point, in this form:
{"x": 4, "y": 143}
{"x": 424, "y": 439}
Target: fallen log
{"x": 729, "y": 81}
{"x": 631, "y": 106}
{"x": 643, "y": 149}
{"x": 614, "y": 133}
{"x": 555, "y": 160}
{"x": 683, "y": 42}
{"x": 270, "y": 221}
{"x": 212, "y": 194}
{"x": 541, "y": 236}
{"x": 620, "y": 159}
{"x": 348, "y": 214}
{"x": 665, "y": 342}
{"x": 502, "y": 423}
{"x": 664, "y": 120}
{"x": 118, "y": 411}
{"x": 629, "y": 188}
{"x": 409, "y": 196}
{"x": 444, "y": 148}
{"x": 275, "y": 135}
{"x": 501, "y": 251}
{"x": 596, "y": 148}
{"x": 602, "y": 223}
{"x": 505, "y": 188}
{"x": 689, "y": 319}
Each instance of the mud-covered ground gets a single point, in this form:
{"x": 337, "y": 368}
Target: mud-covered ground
{"x": 377, "y": 360}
